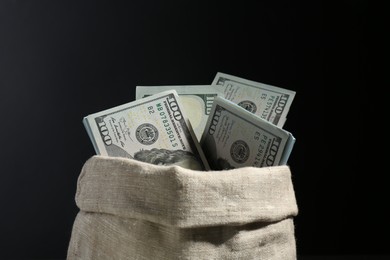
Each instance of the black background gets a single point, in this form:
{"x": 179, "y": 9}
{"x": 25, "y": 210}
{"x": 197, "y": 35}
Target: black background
{"x": 62, "y": 60}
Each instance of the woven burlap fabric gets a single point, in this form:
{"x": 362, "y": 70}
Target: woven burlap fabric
{"x": 135, "y": 210}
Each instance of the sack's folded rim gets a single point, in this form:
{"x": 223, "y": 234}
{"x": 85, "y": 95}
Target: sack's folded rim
{"x": 184, "y": 198}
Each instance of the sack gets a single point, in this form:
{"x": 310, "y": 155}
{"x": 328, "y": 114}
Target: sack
{"x": 135, "y": 210}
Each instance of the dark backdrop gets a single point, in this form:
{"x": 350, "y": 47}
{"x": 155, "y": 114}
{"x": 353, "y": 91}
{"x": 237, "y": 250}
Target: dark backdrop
{"x": 62, "y": 60}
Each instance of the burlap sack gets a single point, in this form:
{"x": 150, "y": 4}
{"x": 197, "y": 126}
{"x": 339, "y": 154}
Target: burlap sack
{"x": 135, "y": 210}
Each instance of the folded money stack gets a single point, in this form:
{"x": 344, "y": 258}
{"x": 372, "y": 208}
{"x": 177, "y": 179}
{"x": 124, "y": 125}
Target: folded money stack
{"x": 233, "y": 122}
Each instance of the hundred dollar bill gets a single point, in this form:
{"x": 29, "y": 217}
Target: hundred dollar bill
{"x": 196, "y": 100}
{"x": 154, "y": 129}
{"x": 268, "y": 102}
{"x": 235, "y": 137}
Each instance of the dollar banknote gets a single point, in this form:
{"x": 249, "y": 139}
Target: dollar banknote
{"x": 196, "y": 100}
{"x": 268, "y": 102}
{"x": 235, "y": 137}
{"x": 154, "y": 129}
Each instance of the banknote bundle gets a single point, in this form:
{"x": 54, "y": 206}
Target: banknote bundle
{"x": 268, "y": 102}
{"x": 235, "y": 137}
{"x": 233, "y": 122}
{"x": 154, "y": 129}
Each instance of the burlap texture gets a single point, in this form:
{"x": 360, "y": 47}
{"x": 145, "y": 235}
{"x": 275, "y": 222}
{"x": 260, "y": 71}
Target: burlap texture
{"x": 135, "y": 210}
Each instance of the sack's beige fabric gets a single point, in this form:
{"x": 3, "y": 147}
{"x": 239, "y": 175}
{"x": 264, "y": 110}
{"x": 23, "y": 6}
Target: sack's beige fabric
{"x": 135, "y": 210}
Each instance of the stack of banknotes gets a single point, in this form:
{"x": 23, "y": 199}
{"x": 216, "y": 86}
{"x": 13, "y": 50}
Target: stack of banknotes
{"x": 231, "y": 123}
